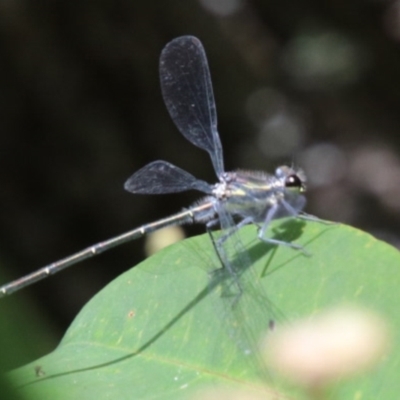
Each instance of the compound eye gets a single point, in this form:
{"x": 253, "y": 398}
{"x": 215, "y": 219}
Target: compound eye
{"x": 294, "y": 182}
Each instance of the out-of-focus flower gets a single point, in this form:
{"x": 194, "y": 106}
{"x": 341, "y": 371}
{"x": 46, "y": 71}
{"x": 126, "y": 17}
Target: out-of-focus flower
{"x": 323, "y": 349}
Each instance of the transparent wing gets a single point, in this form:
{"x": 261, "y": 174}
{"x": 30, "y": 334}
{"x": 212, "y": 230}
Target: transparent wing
{"x": 241, "y": 290}
{"x": 187, "y": 90}
{"x": 161, "y": 177}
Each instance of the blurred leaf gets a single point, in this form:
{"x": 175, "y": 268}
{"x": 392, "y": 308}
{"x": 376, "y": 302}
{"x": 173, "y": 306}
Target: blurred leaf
{"x": 169, "y": 327}
{"x": 24, "y": 335}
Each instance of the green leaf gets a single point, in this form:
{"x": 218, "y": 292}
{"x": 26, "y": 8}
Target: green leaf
{"x": 177, "y": 323}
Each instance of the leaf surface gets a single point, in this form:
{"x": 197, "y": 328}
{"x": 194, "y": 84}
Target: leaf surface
{"x": 177, "y": 324}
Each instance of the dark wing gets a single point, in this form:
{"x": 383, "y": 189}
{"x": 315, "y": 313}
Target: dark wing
{"x": 187, "y": 90}
{"x": 161, "y": 177}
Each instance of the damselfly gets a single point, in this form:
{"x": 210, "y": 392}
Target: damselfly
{"x": 237, "y": 199}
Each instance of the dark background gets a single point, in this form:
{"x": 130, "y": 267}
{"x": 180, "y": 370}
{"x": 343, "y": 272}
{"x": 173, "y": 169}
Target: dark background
{"x": 316, "y": 83}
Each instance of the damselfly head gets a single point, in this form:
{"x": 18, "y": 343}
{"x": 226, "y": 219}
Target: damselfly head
{"x": 293, "y": 179}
